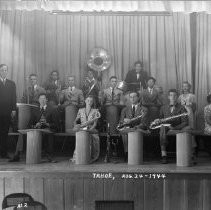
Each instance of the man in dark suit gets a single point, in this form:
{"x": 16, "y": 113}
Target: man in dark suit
{"x": 136, "y": 78}
{"x": 132, "y": 111}
{"x": 7, "y": 107}
{"x": 171, "y": 109}
{"x": 44, "y": 117}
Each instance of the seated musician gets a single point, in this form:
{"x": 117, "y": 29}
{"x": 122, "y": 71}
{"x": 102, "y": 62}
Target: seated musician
{"x": 129, "y": 113}
{"x": 91, "y": 87}
{"x": 171, "y": 110}
{"x": 32, "y": 92}
{"x": 53, "y": 87}
{"x": 136, "y": 77}
{"x": 112, "y": 95}
{"x": 87, "y": 120}
{"x": 151, "y": 100}
{"x": 71, "y": 95}
{"x": 207, "y": 128}
{"x": 44, "y": 117}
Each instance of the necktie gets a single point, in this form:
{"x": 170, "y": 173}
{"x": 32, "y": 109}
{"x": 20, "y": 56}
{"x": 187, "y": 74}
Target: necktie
{"x": 172, "y": 107}
{"x": 4, "y": 81}
{"x": 112, "y": 94}
{"x": 138, "y": 75}
{"x": 133, "y": 111}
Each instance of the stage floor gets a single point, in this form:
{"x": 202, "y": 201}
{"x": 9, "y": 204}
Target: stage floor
{"x": 63, "y": 164}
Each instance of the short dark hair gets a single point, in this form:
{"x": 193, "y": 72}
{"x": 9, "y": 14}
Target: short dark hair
{"x": 112, "y": 77}
{"x": 2, "y": 65}
{"x": 137, "y": 93}
{"x": 55, "y": 71}
{"x": 138, "y": 62}
{"x": 173, "y": 91}
{"x": 33, "y": 74}
{"x": 149, "y": 78}
{"x": 209, "y": 98}
{"x": 42, "y": 94}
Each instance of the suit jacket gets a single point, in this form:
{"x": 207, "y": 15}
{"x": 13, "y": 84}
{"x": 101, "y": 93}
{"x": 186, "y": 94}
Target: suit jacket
{"x": 33, "y": 95}
{"x": 51, "y": 115}
{"x": 7, "y": 97}
{"x": 75, "y": 97}
{"x": 131, "y": 77}
{"x": 177, "y": 123}
{"x": 127, "y": 113}
{"x": 149, "y": 99}
{"x": 52, "y": 90}
{"x": 108, "y": 99}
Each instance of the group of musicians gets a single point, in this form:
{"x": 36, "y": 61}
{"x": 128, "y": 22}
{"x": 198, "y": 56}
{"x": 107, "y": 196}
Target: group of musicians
{"x": 140, "y": 105}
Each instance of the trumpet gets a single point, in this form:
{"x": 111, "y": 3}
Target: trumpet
{"x": 121, "y": 126}
{"x": 162, "y": 122}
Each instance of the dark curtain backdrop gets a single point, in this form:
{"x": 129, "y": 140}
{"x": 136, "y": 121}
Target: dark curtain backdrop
{"x": 38, "y": 42}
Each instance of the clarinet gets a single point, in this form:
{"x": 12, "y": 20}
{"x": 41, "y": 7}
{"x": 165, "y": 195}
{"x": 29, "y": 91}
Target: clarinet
{"x": 108, "y": 145}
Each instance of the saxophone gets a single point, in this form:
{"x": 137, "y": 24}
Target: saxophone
{"x": 84, "y": 126}
{"x": 162, "y": 122}
{"x": 121, "y": 126}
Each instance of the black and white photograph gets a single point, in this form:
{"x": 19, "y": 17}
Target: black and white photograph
{"x": 105, "y": 105}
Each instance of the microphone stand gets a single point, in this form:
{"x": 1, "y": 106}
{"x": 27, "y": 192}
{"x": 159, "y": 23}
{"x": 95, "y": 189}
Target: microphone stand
{"x": 108, "y": 145}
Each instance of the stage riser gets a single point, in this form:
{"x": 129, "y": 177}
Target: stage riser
{"x": 80, "y": 191}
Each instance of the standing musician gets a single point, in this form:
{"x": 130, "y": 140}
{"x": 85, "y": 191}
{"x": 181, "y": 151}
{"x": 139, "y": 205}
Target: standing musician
{"x": 32, "y": 92}
{"x": 72, "y": 95}
{"x": 207, "y": 127}
{"x": 130, "y": 112}
{"x": 83, "y": 117}
{"x": 112, "y": 95}
{"x": 151, "y": 100}
{"x": 136, "y": 78}
{"x": 7, "y": 107}
{"x": 170, "y": 110}
{"x": 91, "y": 87}
{"x": 44, "y": 117}
{"x": 53, "y": 87}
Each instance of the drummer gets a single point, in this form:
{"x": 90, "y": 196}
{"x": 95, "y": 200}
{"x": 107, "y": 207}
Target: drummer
{"x": 71, "y": 95}
{"x": 112, "y": 95}
{"x": 53, "y": 87}
{"x": 32, "y": 92}
{"x": 136, "y": 77}
{"x": 132, "y": 111}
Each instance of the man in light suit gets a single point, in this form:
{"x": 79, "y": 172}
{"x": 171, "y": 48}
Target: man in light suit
{"x": 72, "y": 95}
{"x": 31, "y": 94}
{"x": 7, "y": 107}
{"x": 132, "y": 111}
{"x": 112, "y": 95}
{"x": 151, "y": 100}
{"x": 136, "y": 78}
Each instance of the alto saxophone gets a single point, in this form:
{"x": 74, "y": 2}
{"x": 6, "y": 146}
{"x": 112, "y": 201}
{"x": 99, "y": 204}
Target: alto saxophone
{"x": 84, "y": 126}
{"x": 162, "y": 122}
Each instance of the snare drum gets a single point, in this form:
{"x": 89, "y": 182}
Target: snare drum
{"x": 70, "y": 115}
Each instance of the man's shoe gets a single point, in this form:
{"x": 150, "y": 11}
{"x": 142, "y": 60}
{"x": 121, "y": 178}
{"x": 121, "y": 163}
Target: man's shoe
{"x": 164, "y": 160}
{"x": 16, "y": 158}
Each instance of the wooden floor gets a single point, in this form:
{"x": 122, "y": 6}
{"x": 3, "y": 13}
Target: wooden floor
{"x": 152, "y": 186}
